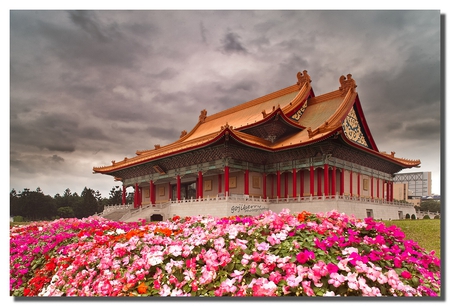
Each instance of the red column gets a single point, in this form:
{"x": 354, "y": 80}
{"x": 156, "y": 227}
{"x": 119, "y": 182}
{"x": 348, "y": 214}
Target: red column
{"x": 227, "y": 181}
{"x": 351, "y": 183}
{"x": 387, "y": 191}
{"x": 200, "y": 184}
{"x": 136, "y": 191}
{"x": 378, "y": 187}
{"x": 319, "y": 182}
{"x": 219, "y": 178}
{"x": 342, "y": 185}
{"x": 246, "y": 179}
{"x": 264, "y": 185}
{"x": 152, "y": 192}
{"x": 302, "y": 183}
{"x": 124, "y": 194}
{"x": 311, "y": 180}
{"x": 333, "y": 181}
{"x": 178, "y": 188}
{"x": 326, "y": 188}
{"x": 359, "y": 185}
{"x": 278, "y": 184}
{"x": 272, "y": 182}
{"x": 392, "y": 191}
{"x": 140, "y": 197}
{"x": 371, "y": 187}
{"x": 382, "y": 190}
{"x": 294, "y": 183}
{"x": 286, "y": 187}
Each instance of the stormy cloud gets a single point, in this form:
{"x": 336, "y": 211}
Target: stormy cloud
{"x": 91, "y": 86}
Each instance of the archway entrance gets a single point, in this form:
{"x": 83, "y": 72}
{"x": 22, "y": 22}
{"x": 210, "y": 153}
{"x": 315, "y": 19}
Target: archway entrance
{"x": 156, "y": 217}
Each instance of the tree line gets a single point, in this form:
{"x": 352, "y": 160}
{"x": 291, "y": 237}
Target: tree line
{"x": 28, "y": 205}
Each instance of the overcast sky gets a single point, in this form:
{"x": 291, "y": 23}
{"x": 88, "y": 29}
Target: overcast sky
{"x": 88, "y": 87}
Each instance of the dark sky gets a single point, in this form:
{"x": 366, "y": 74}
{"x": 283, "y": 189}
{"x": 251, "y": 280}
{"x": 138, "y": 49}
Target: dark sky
{"x": 88, "y": 87}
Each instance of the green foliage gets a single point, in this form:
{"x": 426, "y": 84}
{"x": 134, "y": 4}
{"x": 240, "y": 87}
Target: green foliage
{"x": 66, "y": 212}
{"x": 430, "y": 205}
{"x": 436, "y": 217}
{"x": 18, "y": 219}
{"x": 35, "y": 205}
{"x": 426, "y": 217}
{"x": 407, "y": 216}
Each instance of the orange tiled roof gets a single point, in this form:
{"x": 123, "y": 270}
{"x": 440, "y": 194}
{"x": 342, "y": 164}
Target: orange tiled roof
{"x": 322, "y": 117}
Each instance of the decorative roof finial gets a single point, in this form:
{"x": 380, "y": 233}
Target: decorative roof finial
{"x": 303, "y": 78}
{"x": 183, "y": 133}
{"x": 202, "y": 116}
{"x": 347, "y": 84}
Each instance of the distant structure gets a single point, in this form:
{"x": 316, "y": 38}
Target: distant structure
{"x": 288, "y": 149}
{"x": 418, "y": 183}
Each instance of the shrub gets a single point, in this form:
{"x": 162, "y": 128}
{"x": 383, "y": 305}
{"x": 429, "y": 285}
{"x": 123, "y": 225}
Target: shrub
{"x": 407, "y": 216}
{"x": 18, "y": 219}
{"x": 426, "y": 217}
{"x": 413, "y": 217}
{"x": 436, "y": 217}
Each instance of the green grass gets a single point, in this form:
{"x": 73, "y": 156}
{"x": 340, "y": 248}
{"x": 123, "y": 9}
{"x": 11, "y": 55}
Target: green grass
{"x": 426, "y": 232}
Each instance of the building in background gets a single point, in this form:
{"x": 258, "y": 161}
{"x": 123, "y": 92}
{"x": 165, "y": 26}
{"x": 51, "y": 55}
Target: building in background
{"x": 419, "y": 183}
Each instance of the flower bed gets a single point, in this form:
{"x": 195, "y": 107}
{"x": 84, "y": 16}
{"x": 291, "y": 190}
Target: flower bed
{"x": 285, "y": 254}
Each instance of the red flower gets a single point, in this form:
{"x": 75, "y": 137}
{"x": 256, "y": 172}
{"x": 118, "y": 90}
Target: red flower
{"x": 142, "y": 288}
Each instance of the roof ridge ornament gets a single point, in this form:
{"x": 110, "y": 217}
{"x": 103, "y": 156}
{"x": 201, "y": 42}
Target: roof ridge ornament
{"x": 303, "y": 78}
{"x": 347, "y": 83}
{"x": 202, "y": 116}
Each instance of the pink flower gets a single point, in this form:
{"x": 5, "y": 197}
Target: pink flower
{"x": 336, "y": 279}
{"x": 406, "y": 274}
{"x": 304, "y": 256}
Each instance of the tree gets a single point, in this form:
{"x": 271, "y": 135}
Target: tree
{"x": 66, "y": 212}
{"x": 430, "y": 205}
{"x": 88, "y": 203}
{"x": 115, "y": 196}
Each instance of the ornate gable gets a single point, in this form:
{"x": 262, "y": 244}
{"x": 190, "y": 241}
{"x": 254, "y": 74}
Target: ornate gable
{"x": 353, "y": 130}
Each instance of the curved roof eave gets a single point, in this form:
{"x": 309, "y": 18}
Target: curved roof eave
{"x": 399, "y": 161}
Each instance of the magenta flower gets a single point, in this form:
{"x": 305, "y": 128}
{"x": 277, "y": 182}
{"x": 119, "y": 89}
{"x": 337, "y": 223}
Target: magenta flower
{"x": 304, "y": 256}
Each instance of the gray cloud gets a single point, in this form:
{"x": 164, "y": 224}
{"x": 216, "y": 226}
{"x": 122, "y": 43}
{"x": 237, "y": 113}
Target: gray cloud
{"x": 88, "y": 87}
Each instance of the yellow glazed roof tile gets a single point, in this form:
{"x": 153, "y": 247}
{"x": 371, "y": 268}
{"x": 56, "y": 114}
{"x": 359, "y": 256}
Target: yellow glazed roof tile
{"x": 322, "y": 118}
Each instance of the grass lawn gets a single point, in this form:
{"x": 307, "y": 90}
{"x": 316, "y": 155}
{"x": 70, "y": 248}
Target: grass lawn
{"x": 426, "y": 232}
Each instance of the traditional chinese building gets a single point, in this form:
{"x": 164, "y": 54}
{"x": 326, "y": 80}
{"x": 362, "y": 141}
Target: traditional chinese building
{"x": 288, "y": 149}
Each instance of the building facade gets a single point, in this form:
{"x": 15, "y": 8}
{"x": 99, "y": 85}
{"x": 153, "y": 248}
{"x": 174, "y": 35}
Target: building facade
{"x": 419, "y": 183}
{"x": 288, "y": 149}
